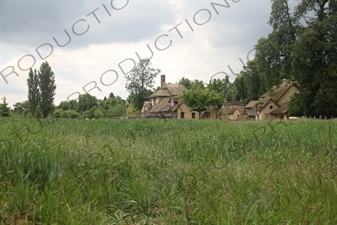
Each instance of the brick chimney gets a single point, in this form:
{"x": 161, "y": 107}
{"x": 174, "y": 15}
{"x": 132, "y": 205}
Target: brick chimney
{"x": 162, "y": 80}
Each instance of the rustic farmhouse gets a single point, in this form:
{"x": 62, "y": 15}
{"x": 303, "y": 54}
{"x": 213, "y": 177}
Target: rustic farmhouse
{"x": 167, "y": 103}
{"x": 273, "y": 104}
{"x": 232, "y": 111}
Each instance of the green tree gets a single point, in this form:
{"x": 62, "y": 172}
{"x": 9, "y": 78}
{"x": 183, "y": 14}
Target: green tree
{"x": 86, "y": 102}
{"x": 4, "y": 109}
{"x": 306, "y": 54}
{"x": 248, "y": 84}
{"x": 189, "y": 84}
{"x": 186, "y": 82}
{"x": 140, "y": 81}
{"x": 223, "y": 87}
{"x": 200, "y": 99}
{"x": 47, "y": 87}
{"x": 111, "y": 95}
{"x": 68, "y": 105}
{"x": 21, "y": 108}
{"x": 295, "y": 106}
{"x": 131, "y": 110}
{"x": 274, "y": 54}
{"x": 113, "y": 107}
{"x": 57, "y": 113}
{"x": 34, "y": 95}
{"x": 240, "y": 88}
{"x": 64, "y": 105}
{"x": 315, "y": 59}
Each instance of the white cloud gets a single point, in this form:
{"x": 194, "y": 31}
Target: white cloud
{"x": 201, "y": 53}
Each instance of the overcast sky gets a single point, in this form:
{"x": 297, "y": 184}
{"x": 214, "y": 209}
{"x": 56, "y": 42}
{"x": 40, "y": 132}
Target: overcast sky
{"x": 205, "y": 39}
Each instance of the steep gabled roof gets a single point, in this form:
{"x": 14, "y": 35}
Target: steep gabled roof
{"x": 281, "y": 110}
{"x": 165, "y": 105}
{"x": 266, "y": 103}
{"x": 252, "y": 104}
{"x": 277, "y": 92}
{"x": 160, "y": 93}
{"x": 175, "y": 89}
{"x": 169, "y": 90}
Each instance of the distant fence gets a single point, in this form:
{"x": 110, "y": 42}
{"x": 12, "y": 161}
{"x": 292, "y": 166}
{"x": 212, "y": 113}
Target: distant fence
{"x": 320, "y": 117}
{"x": 241, "y": 119}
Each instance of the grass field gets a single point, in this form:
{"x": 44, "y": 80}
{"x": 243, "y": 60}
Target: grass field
{"x": 168, "y": 172}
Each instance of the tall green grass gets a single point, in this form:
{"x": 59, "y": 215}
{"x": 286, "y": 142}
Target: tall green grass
{"x": 168, "y": 172}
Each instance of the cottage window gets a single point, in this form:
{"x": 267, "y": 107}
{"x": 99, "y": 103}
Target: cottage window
{"x": 193, "y": 115}
{"x": 182, "y": 115}
{"x": 271, "y": 107}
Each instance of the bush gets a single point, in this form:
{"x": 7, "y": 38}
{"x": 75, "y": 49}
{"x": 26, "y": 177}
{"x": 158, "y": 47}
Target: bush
{"x": 69, "y": 114}
{"x": 57, "y": 113}
{"x": 295, "y": 107}
{"x": 4, "y": 110}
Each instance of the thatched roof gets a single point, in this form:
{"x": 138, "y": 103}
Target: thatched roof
{"x": 281, "y": 110}
{"x": 175, "y": 89}
{"x": 165, "y": 105}
{"x": 233, "y": 103}
{"x": 251, "y": 104}
{"x": 277, "y": 92}
{"x": 160, "y": 93}
{"x": 169, "y": 90}
{"x": 251, "y": 112}
{"x": 266, "y": 103}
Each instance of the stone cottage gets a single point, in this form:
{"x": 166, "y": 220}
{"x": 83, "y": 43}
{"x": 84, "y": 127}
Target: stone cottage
{"x": 167, "y": 103}
{"x": 273, "y": 104}
{"x": 232, "y": 111}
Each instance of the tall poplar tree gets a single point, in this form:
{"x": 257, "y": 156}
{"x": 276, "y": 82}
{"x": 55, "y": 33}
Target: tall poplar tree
{"x": 33, "y": 92}
{"x": 47, "y": 87}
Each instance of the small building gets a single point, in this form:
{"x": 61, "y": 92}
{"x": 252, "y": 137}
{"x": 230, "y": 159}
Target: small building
{"x": 232, "y": 111}
{"x": 167, "y": 103}
{"x": 273, "y": 104}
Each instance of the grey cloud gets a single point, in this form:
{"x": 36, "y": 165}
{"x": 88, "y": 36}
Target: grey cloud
{"x": 35, "y": 23}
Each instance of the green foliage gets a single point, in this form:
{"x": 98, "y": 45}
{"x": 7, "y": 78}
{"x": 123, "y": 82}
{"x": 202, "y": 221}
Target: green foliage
{"x": 306, "y": 54}
{"x": 248, "y": 86}
{"x": 240, "y": 88}
{"x": 34, "y": 95}
{"x": 189, "y": 84}
{"x": 140, "y": 81}
{"x": 21, "y": 108}
{"x": 86, "y": 102}
{"x": 111, "y": 95}
{"x": 41, "y": 90}
{"x": 200, "y": 99}
{"x": 223, "y": 87}
{"x": 69, "y": 114}
{"x": 316, "y": 57}
{"x": 131, "y": 110}
{"x": 186, "y": 82}
{"x": 138, "y": 99}
{"x": 98, "y": 112}
{"x": 66, "y": 105}
{"x": 112, "y": 107}
{"x": 57, "y": 113}
{"x": 47, "y": 89}
{"x": 4, "y": 109}
{"x": 295, "y": 107}
{"x": 168, "y": 172}
{"x": 90, "y": 114}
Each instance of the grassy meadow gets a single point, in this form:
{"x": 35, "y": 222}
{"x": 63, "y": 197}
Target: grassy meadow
{"x": 168, "y": 172}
